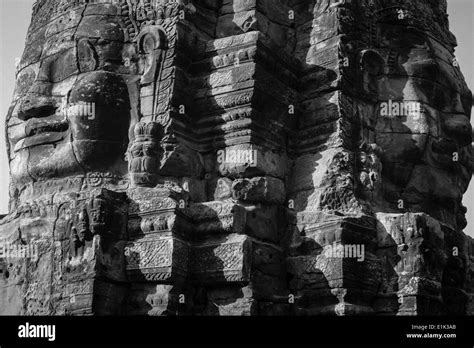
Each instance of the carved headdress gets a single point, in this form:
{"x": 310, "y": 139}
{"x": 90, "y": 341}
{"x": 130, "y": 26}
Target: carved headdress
{"x": 142, "y": 13}
{"x": 415, "y": 15}
{"x": 136, "y": 13}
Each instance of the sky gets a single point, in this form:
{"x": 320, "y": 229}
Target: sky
{"x": 15, "y": 17}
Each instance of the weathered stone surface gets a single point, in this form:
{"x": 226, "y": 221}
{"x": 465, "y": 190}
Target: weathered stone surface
{"x": 235, "y": 157}
{"x": 264, "y": 190}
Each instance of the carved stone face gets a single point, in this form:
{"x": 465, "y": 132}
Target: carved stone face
{"x": 71, "y": 108}
{"x": 426, "y": 135}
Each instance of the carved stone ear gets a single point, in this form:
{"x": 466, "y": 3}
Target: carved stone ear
{"x": 372, "y": 66}
{"x": 151, "y": 43}
{"x": 88, "y": 58}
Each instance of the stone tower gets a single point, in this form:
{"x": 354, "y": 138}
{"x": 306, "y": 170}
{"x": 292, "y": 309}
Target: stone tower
{"x": 238, "y": 157}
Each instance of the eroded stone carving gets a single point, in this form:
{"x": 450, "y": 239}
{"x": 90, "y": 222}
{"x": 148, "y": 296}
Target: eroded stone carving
{"x": 231, "y": 157}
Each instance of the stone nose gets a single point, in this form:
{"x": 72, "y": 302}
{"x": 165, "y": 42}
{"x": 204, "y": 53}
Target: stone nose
{"x": 458, "y": 128}
{"x": 35, "y": 106}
